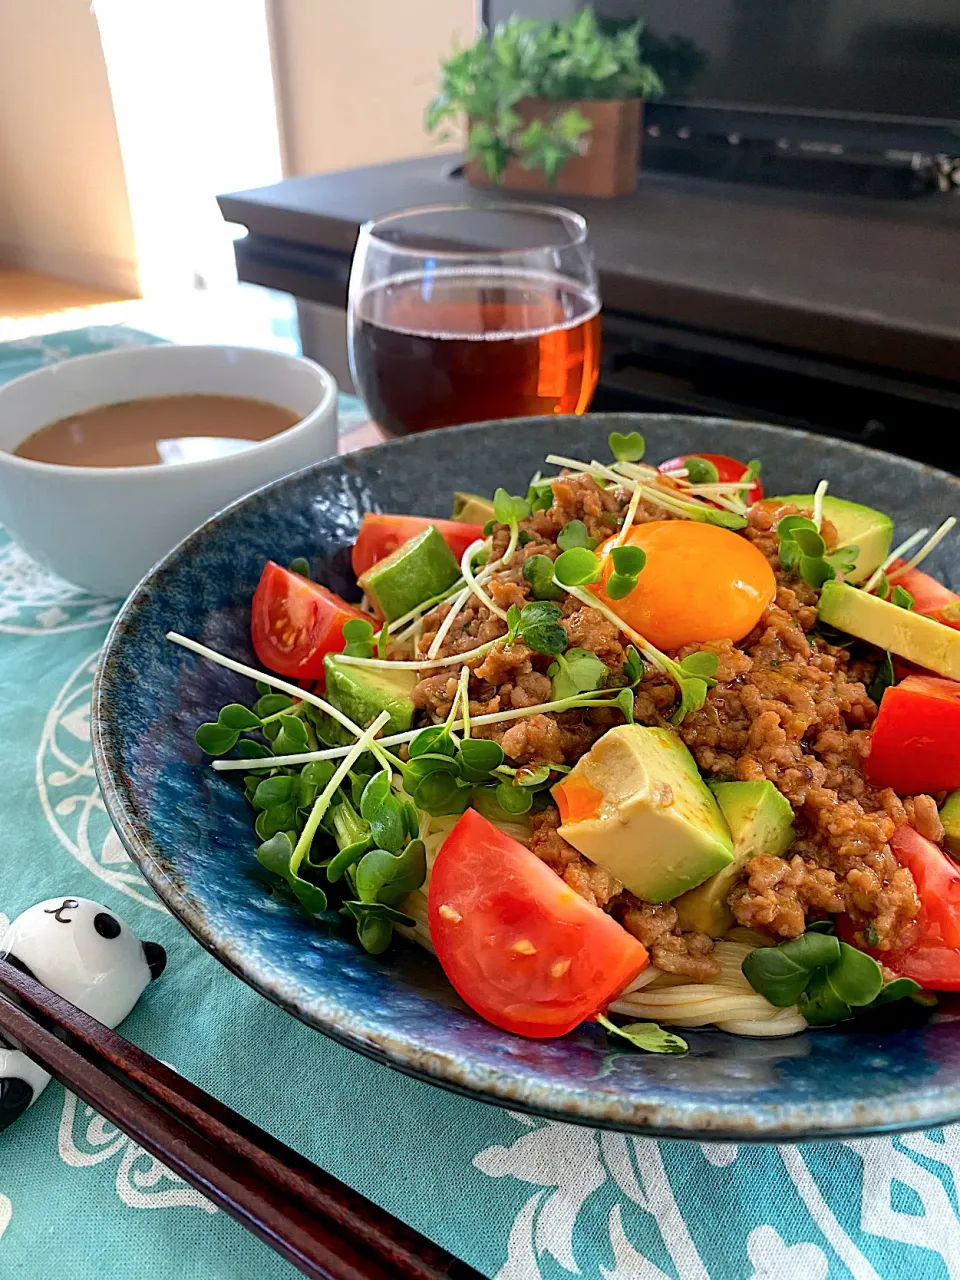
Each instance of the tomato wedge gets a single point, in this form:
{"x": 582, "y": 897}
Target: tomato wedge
{"x": 728, "y": 470}
{"x": 915, "y": 742}
{"x": 381, "y": 534}
{"x": 929, "y": 596}
{"x": 294, "y": 622}
{"x": 933, "y": 955}
{"x": 518, "y": 945}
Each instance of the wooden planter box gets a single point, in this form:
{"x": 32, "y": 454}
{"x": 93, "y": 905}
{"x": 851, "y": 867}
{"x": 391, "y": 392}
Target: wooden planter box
{"x": 608, "y": 166}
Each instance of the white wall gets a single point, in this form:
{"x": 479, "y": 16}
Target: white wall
{"x": 354, "y": 76}
{"x": 63, "y": 198}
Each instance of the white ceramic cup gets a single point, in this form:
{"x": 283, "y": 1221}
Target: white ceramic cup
{"x": 104, "y": 527}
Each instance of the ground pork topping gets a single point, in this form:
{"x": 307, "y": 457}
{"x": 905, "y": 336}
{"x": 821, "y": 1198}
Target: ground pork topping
{"x": 787, "y": 706}
{"x": 653, "y": 925}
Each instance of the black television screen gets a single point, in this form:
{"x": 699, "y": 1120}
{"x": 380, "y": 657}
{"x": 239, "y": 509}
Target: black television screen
{"x": 896, "y": 60}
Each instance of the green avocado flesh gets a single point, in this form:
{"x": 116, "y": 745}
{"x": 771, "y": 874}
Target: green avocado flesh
{"x": 471, "y": 508}
{"x": 950, "y": 817}
{"x": 761, "y": 822}
{"x": 657, "y": 829}
{"x": 863, "y": 527}
{"x": 423, "y": 567}
{"x": 919, "y": 639}
{"x": 363, "y": 692}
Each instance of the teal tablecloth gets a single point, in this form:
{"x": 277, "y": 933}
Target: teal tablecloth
{"x": 520, "y": 1199}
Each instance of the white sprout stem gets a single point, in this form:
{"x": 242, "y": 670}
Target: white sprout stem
{"x": 511, "y": 542}
{"x": 415, "y": 664}
{"x": 907, "y": 545}
{"x": 476, "y": 588}
{"x": 599, "y": 698}
{"x": 720, "y": 486}
{"x": 458, "y": 603}
{"x": 927, "y": 547}
{"x": 442, "y": 631}
{"x": 275, "y": 682}
{"x": 465, "y": 699}
{"x": 628, "y": 518}
{"x": 818, "y": 497}
{"x": 593, "y": 468}
{"x": 363, "y": 743}
{"x": 652, "y": 655}
{"x": 412, "y": 616}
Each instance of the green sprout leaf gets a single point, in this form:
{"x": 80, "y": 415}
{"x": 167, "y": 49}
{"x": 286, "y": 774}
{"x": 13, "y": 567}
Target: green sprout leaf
{"x": 704, "y": 664}
{"x": 387, "y": 878}
{"x": 576, "y": 671}
{"x": 359, "y": 637}
{"x": 574, "y": 534}
{"x": 435, "y": 739}
{"x": 216, "y": 738}
{"x": 292, "y": 737}
{"x": 883, "y": 680}
{"x": 900, "y": 597}
{"x": 538, "y": 571}
{"x": 276, "y": 854}
{"x": 825, "y": 978}
{"x": 512, "y": 799}
{"x": 624, "y": 703}
{"x": 577, "y": 567}
{"x": 627, "y": 448}
{"x": 301, "y": 565}
{"x": 628, "y": 563}
{"x": 646, "y": 1036}
{"x": 539, "y": 627}
{"x": 509, "y": 509}
{"x": 701, "y": 470}
{"x": 632, "y": 667}
{"x": 478, "y": 757}
{"x": 540, "y": 495}
{"x": 530, "y": 775}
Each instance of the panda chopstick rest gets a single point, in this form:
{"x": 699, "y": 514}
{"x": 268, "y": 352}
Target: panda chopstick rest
{"x": 84, "y": 953}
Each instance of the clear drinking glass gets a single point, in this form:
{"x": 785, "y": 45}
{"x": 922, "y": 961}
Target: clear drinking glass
{"x": 459, "y": 314}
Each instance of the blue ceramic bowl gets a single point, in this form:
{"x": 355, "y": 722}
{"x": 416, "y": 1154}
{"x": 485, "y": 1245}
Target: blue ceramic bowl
{"x": 189, "y": 829}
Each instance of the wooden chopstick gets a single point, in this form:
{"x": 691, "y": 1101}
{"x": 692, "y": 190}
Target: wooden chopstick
{"x": 316, "y": 1222}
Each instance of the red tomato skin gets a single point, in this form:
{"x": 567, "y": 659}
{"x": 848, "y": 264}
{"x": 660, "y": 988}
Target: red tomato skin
{"x": 487, "y": 893}
{"x": 728, "y": 470}
{"x": 381, "y": 534}
{"x": 915, "y": 741}
{"x": 929, "y": 595}
{"x": 294, "y": 622}
{"x": 932, "y": 956}
{"x": 937, "y": 878}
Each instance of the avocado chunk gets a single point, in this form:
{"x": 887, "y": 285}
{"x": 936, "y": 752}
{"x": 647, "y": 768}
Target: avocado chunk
{"x": 423, "y": 567}
{"x": 910, "y": 635}
{"x": 654, "y": 825}
{"x": 950, "y": 817}
{"x": 363, "y": 692}
{"x": 761, "y": 822}
{"x": 471, "y": 508}
{"x": 863, "y": 527}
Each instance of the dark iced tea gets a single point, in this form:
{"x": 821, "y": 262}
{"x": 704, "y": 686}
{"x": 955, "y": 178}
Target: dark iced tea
{"x": 433, "y": 350}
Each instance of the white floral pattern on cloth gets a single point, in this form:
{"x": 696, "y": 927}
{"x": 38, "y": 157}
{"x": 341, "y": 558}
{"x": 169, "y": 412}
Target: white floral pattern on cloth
{"x": 68, "y": 791}
{"x": 141, "y": 1181}
{"x": 567, "y": 1165}
{"x": 34, "y": 602}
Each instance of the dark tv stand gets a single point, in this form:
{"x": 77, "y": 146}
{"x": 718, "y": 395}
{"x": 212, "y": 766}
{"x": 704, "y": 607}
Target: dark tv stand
{"x": 838, "y": 314}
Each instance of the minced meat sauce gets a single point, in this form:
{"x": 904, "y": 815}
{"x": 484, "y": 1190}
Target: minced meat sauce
{"x": 788, "y": 706}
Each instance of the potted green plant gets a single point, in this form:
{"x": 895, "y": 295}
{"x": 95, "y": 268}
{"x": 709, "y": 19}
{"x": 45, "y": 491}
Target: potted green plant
{"x": 550, "y": 105}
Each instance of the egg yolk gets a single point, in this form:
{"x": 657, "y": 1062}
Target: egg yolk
{"x": 700, "y": 582}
